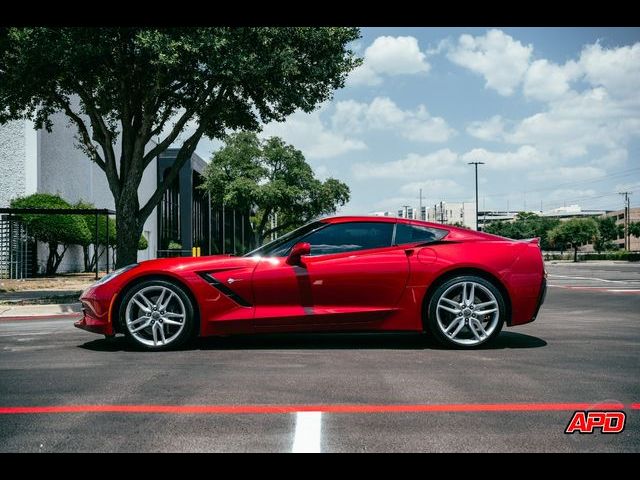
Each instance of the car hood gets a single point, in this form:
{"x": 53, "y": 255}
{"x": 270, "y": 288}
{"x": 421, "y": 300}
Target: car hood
{"x": 195, "y": 264}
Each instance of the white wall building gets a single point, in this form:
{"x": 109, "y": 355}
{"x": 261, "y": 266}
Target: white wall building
{"x": 49, "y": 162}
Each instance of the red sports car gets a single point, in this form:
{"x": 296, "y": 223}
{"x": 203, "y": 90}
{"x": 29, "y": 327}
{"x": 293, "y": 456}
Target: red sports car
{"x": 335, "y": 274}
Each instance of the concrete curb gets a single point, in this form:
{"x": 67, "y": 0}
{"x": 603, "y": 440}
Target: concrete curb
{"x": 40, "y": 312}
{"x": 70, "y": 316}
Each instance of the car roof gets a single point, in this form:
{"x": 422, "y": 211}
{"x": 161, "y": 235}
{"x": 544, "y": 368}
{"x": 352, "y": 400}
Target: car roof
{"x": 375, "y": 218}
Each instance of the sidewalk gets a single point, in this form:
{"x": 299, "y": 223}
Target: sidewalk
{"x": 10, "y": 313}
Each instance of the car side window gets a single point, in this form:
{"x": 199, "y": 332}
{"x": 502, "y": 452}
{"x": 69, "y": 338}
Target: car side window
{"x": 348, "y": 237}
{"x": 406, "y": 233}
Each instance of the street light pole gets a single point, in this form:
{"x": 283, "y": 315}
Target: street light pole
{"x": 476, "y": 166}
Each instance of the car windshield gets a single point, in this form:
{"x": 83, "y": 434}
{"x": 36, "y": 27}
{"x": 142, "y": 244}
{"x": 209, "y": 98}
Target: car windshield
{"x": 280, "y": 246}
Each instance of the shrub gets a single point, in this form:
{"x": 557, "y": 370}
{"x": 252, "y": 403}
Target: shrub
{"x": 54, "y": 229}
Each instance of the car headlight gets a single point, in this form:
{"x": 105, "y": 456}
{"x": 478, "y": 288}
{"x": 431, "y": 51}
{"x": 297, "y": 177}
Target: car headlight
{"x": 114, "y": 274}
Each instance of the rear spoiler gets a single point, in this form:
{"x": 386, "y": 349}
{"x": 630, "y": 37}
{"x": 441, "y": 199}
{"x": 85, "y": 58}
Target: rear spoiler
{"x": 535, "y": 240}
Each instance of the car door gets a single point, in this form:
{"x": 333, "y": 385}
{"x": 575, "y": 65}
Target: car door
{"x": 353, "y": 275}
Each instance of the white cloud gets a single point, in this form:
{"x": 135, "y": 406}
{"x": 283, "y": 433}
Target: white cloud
{"x": 613, "y": 158}
{"x": 502, "y": 60}
{"x": 389, "y": 56}
{"x": 383, "y": 114}
{"x": 414, "y": 166}
{"x": 491, "y": 129}
{"x": 308, "y": 133}
{"x": 568, "y": 195}
{"x": 616, "y": 69}
{"x": 364, "y": 75}
{"x": 547, "y": 81}
{"x": 578, "y": 121}
{"x": 525, "y": 157}
{"x": 574, "y": 174}
{"x": 432, "y": 187}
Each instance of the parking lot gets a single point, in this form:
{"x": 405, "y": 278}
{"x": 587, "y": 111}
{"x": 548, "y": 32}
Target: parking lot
{"x": 336, "y": 393}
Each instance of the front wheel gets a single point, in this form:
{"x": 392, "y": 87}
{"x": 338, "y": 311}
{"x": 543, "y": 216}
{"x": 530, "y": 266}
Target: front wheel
{"x": 157, "y": 315}
{"x": 465, "y": 312}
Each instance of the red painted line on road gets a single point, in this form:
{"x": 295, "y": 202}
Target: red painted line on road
{"x": 57, "y": 316}
{"x": 275, "y": 409}
{"x": 635, "y": 406}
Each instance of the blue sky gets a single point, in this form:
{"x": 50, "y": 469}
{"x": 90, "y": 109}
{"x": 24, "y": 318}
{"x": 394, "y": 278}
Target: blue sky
{"x": 553, "y": 112}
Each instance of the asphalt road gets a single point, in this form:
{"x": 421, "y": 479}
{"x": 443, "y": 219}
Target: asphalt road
{"x": 584, "y": 348}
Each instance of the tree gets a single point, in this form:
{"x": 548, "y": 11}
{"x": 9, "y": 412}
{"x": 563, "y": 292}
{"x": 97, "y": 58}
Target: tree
{"x": 574, "y": 232}
{"x": 525, "y": 225}
{"x": 57, "y": 230}
{"x": 90, "y": 222}
{"x": 270, "y": 177}
{"x": 608, "y": 231}
{"x": 460, "y": 224}
{"x": 634, "y": 229}
{"x": 137, "y": 84}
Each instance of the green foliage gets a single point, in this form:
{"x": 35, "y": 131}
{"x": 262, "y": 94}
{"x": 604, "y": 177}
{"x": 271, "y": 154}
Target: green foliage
{"x": 136, "y": 83}
{"x": 64, "y": 229}
{"x": 267, "y": 177}
{"x": 174, "y": 245}
{"x": 460, "y": 225}
{"x": 54, "y": 229}
{"x": 143, "y": 243}
{"x": 525, "y": 225}
{"x": 608, "y": 231}
{"x": 573, "y": 233}
{"x": 634, "y": 229}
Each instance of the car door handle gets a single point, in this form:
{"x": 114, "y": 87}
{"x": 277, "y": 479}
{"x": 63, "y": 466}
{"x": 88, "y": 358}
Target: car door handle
{"x": 409, "y": 251}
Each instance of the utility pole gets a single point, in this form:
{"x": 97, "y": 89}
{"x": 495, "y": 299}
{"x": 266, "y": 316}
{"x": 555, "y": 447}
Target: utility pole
{"x": 441, "y": 213}
{"x": 627, "y": 240}
{"x": 420, "y": 207}
{"x": 476, "y": 166}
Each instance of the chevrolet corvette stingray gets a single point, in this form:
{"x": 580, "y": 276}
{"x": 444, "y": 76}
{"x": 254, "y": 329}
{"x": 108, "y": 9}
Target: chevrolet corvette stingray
{"x": 336, "y": 274}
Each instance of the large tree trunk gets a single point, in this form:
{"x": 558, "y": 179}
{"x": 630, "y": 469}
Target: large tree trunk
{"x": 54, "y": 259}
{"x": 128, "y": 227}
{"x": 85, "y": 255}
{"x": 258, "y": 238}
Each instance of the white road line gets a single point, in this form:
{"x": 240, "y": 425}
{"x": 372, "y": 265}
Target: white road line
{"x": 589, "y": 278}
{"x": 308, "y": 432}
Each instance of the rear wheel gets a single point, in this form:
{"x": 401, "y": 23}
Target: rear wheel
{"x": 157, "y": 315}
{"x": 466, "y": 312}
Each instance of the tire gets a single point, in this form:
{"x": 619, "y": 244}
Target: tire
{"x": 157, "y": 315}
{"x": 455, "y": 323}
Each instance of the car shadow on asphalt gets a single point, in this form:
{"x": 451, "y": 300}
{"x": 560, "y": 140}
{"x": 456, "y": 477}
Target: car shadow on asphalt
{"x": 329, "y": 341}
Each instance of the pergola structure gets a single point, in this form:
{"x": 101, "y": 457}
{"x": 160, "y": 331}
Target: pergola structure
{"x": 67, "y": 211}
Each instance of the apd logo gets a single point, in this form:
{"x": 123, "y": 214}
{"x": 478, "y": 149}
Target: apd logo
{"x": 587, "y": 421}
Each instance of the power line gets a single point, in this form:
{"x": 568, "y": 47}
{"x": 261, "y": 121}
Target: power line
{"x": 560, "y": 185}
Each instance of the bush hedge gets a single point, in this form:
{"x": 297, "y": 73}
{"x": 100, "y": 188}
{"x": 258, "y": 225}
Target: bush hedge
{"x": 618, "y": 255}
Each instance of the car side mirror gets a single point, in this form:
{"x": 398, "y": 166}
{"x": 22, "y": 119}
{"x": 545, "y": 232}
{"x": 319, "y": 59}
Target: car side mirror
{"x": 299, "y": 249}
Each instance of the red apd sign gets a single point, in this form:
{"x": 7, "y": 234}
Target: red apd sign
{"x": 587, "y": 421}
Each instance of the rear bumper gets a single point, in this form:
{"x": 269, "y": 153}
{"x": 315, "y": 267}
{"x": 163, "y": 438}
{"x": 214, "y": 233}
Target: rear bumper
{"x": 541, "y": 298}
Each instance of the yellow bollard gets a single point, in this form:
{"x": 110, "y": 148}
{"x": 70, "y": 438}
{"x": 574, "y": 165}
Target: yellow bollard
{"x": 193, "y": 252}
{"x": 197, "y": 251}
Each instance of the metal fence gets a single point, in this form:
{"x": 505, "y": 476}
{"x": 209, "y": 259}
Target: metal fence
{"x": 17, "y": 249}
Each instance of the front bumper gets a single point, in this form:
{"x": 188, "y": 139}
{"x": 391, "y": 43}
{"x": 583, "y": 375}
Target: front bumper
{"x": 95, "y": 312}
